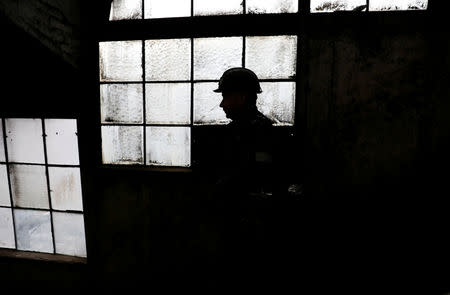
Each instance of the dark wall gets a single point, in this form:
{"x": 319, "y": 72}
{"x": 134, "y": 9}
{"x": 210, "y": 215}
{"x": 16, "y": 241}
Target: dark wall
{"x": 376, "y": 141}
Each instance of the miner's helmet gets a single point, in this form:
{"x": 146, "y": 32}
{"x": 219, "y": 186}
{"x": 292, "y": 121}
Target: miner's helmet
{"x": 239, "y": 79}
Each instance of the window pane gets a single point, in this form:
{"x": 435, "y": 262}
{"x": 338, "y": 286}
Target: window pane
{"x": 169, "y": 146}
{"x": 167, "y": 8}
{"x": 69, "y": 234}
{"x": 126, "y": 9}
{"x": 24, "y": 140}
{"x": 168, "y": 59}
{"x": 120, "y": 61}
{"x": 277, "y": 101}
{"x": 2, "y": 145}
{"x": 379, "y": 5}
{"x": 33, "y": 230}
{"x": 207, "y": 108}
{"x": 6, "y": 229}
{"x": 335, "y": 5}
{"x": 4, "y": 188}
{"x": 121, "y": 103}
{"x": 122, "y": 144}
{"x": 29, "y": 186}
{"x": 272, "y": 57}
{"x": 65, "y": 188}
{"x": 62, "y": 141}
{"x": 212, "y": 56}
{"x": 272, "y": 6}
{"x": 168, "y": 103}
{"x": 214, "y": 7}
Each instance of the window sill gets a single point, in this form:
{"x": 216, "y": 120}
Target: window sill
{"x": 16, "y": 254}
{"x": 142, "y": 168}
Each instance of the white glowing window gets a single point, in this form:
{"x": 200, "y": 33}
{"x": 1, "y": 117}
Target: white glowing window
{"x": 271, "y": 6}
{"x": 120, "y": 61}
{"x": 121, "y": 103}
{"x": 125, "y": 9}
{"x": 215, "y": 7}
{"x": 383, "y": 5}
{"x": 335, "y": 5}
{"x": 40, "y": 179}
{"x": 6, "y": 229}
{"x": 2, "y": 145}
{"x": 168, "y": 146}
{"x": 207, "y": 110}
{"x": 168, "y": 103}
{"x": 212, "y": 56}
{"x": 167, "y": 8}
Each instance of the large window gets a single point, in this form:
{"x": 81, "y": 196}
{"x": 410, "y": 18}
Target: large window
{"x": 156, "y": 88}
{"x": 41, "y": 207}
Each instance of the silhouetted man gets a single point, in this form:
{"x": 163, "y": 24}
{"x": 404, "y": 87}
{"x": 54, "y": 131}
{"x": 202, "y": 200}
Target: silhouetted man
{"x": 246, "y": 181}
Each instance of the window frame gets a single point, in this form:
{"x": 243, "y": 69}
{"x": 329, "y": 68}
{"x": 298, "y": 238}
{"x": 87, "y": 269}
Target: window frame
{"x": 304, "y": 24}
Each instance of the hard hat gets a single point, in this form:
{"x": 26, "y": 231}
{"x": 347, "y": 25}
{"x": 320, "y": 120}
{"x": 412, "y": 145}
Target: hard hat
{"x": 239, "y": 79}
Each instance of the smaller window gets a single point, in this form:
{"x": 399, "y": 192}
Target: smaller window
{"x": 41, "y": 206}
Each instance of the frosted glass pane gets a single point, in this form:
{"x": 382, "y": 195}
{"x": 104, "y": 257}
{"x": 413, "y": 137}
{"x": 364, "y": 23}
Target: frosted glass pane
{"x": 272, "y": 6}
{"x": 335, "y": 5}
{"x": 272, "y": 57}
{"x": 167, "y": 8}
{"x": 169, "y": 146}
{"x": 168, "y": 59}
{"x": 122, "y": 144}
{"x": 121, "y": 61}
{"x": 168, "y": 103}
{"x": 69, "y": 234}
{"x": 33, "y": 230}
{"x": 214, "y": 7}
{"x": 380, "y": 5}
{"x": 29, "y": 186}
{"x": 6, "y": 229}
{"x": 121, "y": 103}
{"x": 65, "y": 188}
{"x": 212, "y": 56}
{"x": 25, "y": 142}
{"x": 125, "y": 9}
{"x": 62, "y": 141}
{"x": 4, "y": 188}
{"x": 2, "y": 145}
{"x": 277, "y": 102}
{"x": 207, "y": 108}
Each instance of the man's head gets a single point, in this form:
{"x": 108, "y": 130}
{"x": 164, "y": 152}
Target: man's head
{"x": 239, "y": 88}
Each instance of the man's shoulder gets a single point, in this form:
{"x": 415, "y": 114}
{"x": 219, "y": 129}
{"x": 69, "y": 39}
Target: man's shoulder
{"x": 261, "y": 121}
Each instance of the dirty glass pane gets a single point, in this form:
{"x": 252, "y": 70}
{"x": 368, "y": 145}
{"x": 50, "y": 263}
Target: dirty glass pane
{"x": 29, "y": 186}
{"x": 272, "y": 6}
{"x": 212, "y": 56}
{"x": 272, "y": 57}
{"x": 167, "y": 59}
{"x": 335, "y": 5}
{"x": 65, "y": 188}
{"x": 62, "y": 141}
{"x": 121, "y": 103}
{"x": 6, "y": 229}
{"x": 24, "y": 140}
{"x": 69, "y": 234}
{"x": 167, "y": 8}
{"x": 169, "y": 146}
{"x": 120, "y": 61}
{"x": 33, "y": 230}
{"x": 2, "y": 145}
{"x": 125, "y": 9}
{"x": 277, "y": 102}
{"x": 207, "y": 108}
{"x": 4, "y": 188}
{"x": 122, "y": 145}
{"x": 216, "y": 7}
{"x": 168, "y": 103}
{"x": 383, "y": 5}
